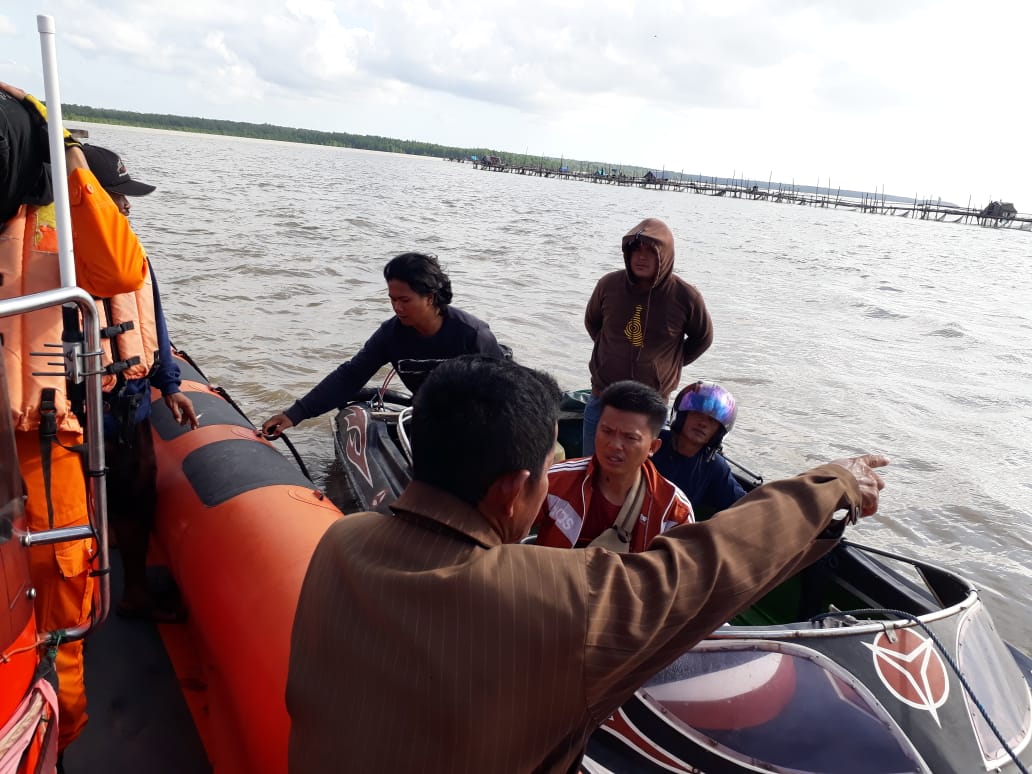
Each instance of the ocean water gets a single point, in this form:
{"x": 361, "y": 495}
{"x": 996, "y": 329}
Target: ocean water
{"x": 838, "y": 332}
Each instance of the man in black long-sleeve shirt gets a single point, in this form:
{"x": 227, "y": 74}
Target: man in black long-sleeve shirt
{"x": 425, "y": 327}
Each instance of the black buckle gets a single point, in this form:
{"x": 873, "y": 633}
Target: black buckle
{"x": 48, "y": 411}
{"x": 111, "y": 331}
{"x": 117, "y": 367}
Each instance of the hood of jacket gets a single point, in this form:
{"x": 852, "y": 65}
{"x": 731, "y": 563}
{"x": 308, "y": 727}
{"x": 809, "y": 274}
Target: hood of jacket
{"x": 662, "y": 237}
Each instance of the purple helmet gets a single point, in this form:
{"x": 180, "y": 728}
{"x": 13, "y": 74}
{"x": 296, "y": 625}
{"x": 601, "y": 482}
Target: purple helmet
{"x": 707, "y": 398}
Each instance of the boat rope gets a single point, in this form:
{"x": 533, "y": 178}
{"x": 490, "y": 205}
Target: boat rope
{"x": 293, "y": 451}
{"x": 297, "y": 457}
{"x": 944, "y": 653}
{"x": 226, "y": 397}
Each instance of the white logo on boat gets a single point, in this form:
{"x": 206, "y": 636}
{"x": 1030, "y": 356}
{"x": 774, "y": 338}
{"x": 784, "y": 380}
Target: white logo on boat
{"x": 912, "y": 670}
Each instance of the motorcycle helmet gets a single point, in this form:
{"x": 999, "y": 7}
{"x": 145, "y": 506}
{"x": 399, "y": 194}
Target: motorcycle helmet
{"x": 707, "y": 398}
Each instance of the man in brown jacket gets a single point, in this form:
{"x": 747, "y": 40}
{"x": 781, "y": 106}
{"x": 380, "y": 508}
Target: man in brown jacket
{"x": 431, "y": 640}
{"x": 647, "y": 323}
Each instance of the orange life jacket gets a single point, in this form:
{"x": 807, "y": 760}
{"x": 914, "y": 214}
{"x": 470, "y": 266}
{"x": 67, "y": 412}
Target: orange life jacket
{"x": 29, "y": 264}
{"x": 138, "y": 344}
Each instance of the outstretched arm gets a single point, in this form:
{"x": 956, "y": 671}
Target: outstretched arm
{"x": 649, "y": 607}
{"x": 339, "y": 386}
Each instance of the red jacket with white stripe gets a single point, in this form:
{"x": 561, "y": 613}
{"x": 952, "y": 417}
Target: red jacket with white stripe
{"x": 570, "y": 489}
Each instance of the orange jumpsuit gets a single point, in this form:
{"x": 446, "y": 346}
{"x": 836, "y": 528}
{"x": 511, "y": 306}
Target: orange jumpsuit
{"x": 60, "y": 572}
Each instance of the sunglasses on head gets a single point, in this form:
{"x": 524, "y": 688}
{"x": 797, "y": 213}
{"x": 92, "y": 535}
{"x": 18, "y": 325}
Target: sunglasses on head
{"x": 638, "y": 242}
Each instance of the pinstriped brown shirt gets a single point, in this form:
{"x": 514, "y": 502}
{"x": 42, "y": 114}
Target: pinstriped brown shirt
{"x": 422, "y": 643}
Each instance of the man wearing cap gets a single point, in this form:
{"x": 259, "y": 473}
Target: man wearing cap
{"x": 132, "y": 368}
{"x": 112, "y": 174}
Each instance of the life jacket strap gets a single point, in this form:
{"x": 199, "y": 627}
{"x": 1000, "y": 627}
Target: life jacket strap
{"x": 47, "y": 438}
{"x": 72, "y": 342}
{"x": 111, "y": 333}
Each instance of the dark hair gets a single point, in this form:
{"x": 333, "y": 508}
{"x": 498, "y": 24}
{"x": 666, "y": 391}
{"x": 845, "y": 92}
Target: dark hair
{"x": 477, "y": 418}
{"x": 422, "y": 273}
{"x": 639, "y": 399}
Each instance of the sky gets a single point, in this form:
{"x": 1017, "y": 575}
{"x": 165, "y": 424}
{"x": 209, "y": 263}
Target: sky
{"x": 917, "y": 97}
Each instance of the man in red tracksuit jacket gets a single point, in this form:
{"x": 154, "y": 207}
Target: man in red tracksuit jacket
{"x": 616, "y": 498}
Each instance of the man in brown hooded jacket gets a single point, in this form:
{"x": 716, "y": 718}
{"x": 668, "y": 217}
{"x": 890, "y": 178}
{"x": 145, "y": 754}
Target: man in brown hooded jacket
{"x": 647, "y": 323}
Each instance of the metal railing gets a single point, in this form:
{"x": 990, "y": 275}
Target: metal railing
{"x": 81, "y": 363}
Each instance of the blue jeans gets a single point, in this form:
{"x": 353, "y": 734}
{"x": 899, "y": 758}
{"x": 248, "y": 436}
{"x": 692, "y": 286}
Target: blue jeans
{"x": 592, "y": 412}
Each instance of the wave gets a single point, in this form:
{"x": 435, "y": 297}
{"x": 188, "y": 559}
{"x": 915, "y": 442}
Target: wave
{"x": 877, "y": 313}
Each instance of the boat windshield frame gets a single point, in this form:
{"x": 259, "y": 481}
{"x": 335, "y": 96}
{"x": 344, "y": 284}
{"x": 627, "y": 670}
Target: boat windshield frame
{"x": 854, "y": 627}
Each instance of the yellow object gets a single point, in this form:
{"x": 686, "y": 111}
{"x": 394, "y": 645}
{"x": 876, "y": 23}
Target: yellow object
{"x": 41, "y": 111}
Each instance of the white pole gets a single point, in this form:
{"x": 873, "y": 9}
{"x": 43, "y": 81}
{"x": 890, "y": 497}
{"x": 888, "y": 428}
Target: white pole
{"x": 94, "y": 434}
{"x": 52, "y": 92}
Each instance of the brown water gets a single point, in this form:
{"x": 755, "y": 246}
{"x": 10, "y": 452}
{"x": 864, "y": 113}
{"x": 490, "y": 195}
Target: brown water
{"x": 838, "y": 332}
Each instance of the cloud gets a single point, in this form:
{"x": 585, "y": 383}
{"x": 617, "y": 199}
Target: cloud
{"x": 809, "y": 87}
{"x": 567, "y": 52}
{"x": 531, "y": 56}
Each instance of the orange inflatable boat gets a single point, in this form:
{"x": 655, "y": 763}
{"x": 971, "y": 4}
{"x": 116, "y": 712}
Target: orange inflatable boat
{"x": 237, "y": 523}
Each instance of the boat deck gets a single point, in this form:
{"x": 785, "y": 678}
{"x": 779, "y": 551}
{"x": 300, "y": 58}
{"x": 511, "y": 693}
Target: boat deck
{"x": 139, "y": 716}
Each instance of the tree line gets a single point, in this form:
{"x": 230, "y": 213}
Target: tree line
{"x": 283, "y": 133}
